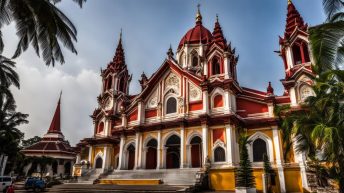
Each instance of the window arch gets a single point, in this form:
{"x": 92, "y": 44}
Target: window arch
{"x": 215, "y": 66}
{"x": 219, "y": 154}
{"x": 100, "y": 127}
{"x": 259, "y": 150}
{"x": 218, "y": 101}
{"x": 171, "y": 105}
{"x": 300, "y": 52}
{"x": 109, "y": 83}
{"x": 194, "y": 58}
{"x": 99, "y": 163}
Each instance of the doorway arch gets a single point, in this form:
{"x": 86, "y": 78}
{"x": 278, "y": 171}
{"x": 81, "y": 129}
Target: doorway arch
{"x": 99, "y": 163}
{"x": 151, "y": 154}
{"x": 131, "y": 157}
{"x": 196, "y": 152}
{"x": 173, "y": 152}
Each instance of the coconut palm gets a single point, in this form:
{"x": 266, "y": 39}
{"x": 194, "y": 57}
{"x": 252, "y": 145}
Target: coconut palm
{"x": 10, "y": 135}
{"x": 319, "y": 128}
{"x": 327, "y": 40}
{"x": 8, "y": 76}
{"x": 40, "y": 24}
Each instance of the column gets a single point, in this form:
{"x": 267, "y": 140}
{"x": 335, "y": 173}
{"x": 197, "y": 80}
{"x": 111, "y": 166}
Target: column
{"x": 289, "y": 58}
{"x": 137, "y": 148}
{"x": 227, "y": 100}
{"x": 158, "y": 163}
{"x": 205, "y": 102}
{"x": 229, "y": 144}
{"x": 226, "y": 64}
{"x": 182, "y": 138}
{"x": 299, "y": 158}
{"x": 204, "y": 142}
{"x": 271, "y": 109}
{"x": 120, "y": 157}
{"x": 139, "y": 164}
{"x": 280, "y": 169}
{"x": 292, "y": 95}
{"x": 78, "y": 158}
{"x": 141, "y": 112}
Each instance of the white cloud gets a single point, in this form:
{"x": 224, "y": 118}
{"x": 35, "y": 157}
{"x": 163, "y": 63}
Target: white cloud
{"x": 39, "y": 93}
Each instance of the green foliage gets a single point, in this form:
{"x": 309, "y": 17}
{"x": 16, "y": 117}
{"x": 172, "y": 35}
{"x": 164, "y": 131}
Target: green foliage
{"x": 31, "y": 141}
{"x": 244, "y": 174}
{"x": 40, "y": 24}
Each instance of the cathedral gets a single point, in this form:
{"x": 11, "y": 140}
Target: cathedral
{"x": 189, "y": 112}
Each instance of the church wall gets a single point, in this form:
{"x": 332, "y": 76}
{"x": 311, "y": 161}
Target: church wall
{"x": 293, "y": 179}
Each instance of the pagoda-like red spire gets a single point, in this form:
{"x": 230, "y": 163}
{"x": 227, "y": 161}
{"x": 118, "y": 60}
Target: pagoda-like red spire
{"x": 119, "y": 59}
{"x": 294, "y": 20}
{"x": 218, "y": 35}
{"x": 55, "y": 125}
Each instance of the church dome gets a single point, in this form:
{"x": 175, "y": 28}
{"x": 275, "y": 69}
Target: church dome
{"x": 196, "y": 34}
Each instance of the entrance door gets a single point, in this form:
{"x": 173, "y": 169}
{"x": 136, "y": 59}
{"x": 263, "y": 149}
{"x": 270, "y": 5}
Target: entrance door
{"x": 131, "y": 157}
{"x": 99, "y": 163}
{"x": 151, "y": 158}
{"x": 173, "y": 152}
{"x": 196, "y": 152}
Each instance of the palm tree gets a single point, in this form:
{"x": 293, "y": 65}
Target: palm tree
{"x": 319, "y": 128}
{"x": 40, "y": 24}
{"x": 10, "y": 135}
{"x": 7, "y": 74}
{"x": 327, "y": 40}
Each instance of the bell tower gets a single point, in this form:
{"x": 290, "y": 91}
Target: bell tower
{"x": 295, "y": 52}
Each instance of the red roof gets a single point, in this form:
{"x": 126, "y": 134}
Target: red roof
{"x": 294, "y": 20}
{"x": 55, "y": 125}
{"x": 196, "y": 35}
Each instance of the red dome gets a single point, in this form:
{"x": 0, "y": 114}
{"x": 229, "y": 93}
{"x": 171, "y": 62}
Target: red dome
{"x": 195, "y": 35}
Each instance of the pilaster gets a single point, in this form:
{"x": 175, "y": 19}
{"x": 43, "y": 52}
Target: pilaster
{"x": 205, "y": 141}
{"x": 280, "y": 169}
{"x": 120, "y": 157}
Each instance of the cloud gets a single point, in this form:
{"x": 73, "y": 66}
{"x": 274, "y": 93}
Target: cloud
{"x": 39, "y": 94}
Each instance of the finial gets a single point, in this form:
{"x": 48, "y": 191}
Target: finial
{"x": 217, "y": 17}
{"x": 120, "y": 34}
{"x": 289, "y": 2}
{"x": 198, "y": 15}
{"x": 170, "y": 53}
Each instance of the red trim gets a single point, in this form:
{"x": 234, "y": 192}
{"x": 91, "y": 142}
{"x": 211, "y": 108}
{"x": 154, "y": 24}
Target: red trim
{"x": 218, "y": 134}
{"x": 196, "y": 106}
{"x": 151, "y": 113}
{"x": 133, "y": 116}
{"x": 218, "y": 101}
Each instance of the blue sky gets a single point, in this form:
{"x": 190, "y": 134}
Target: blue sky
{"x": 149, "y": 27}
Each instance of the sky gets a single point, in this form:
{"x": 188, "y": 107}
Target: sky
{"x": 149, "y": 27}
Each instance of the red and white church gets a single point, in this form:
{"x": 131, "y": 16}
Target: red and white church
{"x": 190, "y": 110}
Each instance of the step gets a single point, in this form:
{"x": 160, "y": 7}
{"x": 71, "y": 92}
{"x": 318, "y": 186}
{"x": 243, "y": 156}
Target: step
{"x": 131, "y": 181}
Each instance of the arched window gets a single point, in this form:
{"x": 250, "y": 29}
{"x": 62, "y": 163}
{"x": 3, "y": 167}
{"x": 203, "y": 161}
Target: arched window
{"x": 218, "y": 101}
{"x": 100, "y": 127}
{"x": 171, "y": 105}
{"x": 305, "y": 52}
{"x": 296, "y": 54}
{"x": 259, "y": 149}
{"x": 99, "y": 162}
{"x": 215, "y": 67}
{"x": 305, "y": 92}
{"x": 194, "y": 60}
{"x": 109, "y": 83}
{"x": 121, "y": 85}
{"x": 219, "y": 155}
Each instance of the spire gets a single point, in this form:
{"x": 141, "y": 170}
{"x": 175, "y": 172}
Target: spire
{"x": 218, "y": 35}
{"x": 294, "y": 20}
{"x": 198, "y": 15}
{"x": 170, "y": 53}
{"x": 55, "y": 125}
{"x": 119, "y": 59}
{"x": 269, "y": 89}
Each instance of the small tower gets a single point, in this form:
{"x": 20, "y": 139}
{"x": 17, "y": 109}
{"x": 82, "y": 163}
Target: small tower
{"x": 295, "y": 52}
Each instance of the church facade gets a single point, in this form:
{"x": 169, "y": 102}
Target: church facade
{"x": 190, "y": 110}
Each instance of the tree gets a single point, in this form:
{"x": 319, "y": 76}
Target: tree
{"x": 31, "y": 141}
{"x": 244, "y": 174}
{"x": 326, "y": 40}
{"x": 40, "y": 24}
{"x": 319, "y": 127}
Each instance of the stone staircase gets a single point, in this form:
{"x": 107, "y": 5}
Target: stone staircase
{"x": 89, "y": 177}
{"x": 185, "y": 177}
